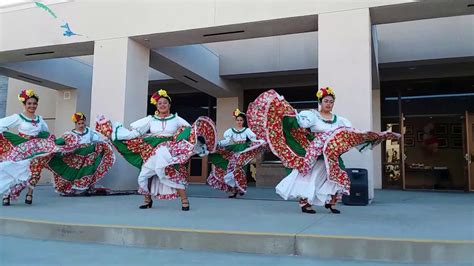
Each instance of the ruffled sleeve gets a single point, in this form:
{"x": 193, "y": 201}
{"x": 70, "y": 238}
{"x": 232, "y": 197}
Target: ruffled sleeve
{"x": 96, "y": 136}
{"x": 252, "y": 136}
{"x": 344, "y": 122}
{"x": 227, "y": 138}
{"x": 9, "y": 122}
{"x": 142, "y": 125}
{"x": 122, "y": 133}
{"x": 306, "y": 119}
{"x": 44, "y": 126}
{"x": 182, "y": 122}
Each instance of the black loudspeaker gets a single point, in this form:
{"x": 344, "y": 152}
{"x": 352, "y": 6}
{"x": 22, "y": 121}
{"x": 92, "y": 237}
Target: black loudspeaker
{"x": 359, "y": 191}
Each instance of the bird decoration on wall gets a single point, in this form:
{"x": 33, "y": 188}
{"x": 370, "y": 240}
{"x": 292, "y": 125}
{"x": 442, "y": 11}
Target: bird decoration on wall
{"x": 67, "y": 32}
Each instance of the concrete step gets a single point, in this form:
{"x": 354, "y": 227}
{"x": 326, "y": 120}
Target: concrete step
{"x": 322, "y": 246}
{"x": 399, "y": 226}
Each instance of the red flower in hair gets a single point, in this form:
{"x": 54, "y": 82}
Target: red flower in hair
{"x": 78, "y": 116}
{"x": 323, "y": 92}
{"x": 26, "y": 94}
{"x": 157, "y": 95}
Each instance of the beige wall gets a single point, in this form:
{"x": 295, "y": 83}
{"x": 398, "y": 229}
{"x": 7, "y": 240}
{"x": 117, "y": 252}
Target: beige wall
{"x": 224, "y": 118}
{"x": 130, "y": 18}
{"x": 65, "y": 107}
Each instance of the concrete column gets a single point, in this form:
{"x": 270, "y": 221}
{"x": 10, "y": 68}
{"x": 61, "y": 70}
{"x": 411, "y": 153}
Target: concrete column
{"x": 119, "y": 91}
{"x": 224, "y": 118}
{"x": 345, "y": 64}
{"x": 3, "y": 95}
{"x": 377, "y": 151}
{"x": 376, "y": 109}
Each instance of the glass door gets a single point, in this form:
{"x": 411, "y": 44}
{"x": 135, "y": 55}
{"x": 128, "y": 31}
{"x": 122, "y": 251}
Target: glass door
{"x": 434, "y": 154}
{"x": 436, "y": 119}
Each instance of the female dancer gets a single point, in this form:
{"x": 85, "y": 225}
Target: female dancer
{"x": 23, "y": 156}
{"x": 81, "y": 169}
{"x": 313, "y": 156}
{"x": 161, "y": 146}
{"x": 238, "y": 148}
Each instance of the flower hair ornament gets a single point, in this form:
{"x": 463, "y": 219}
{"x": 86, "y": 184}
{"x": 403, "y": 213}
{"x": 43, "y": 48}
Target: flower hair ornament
{"x": 237, "y": 112}
{"x": 103, "y": 126}
{"x": 27, "y": 94}
{"x": 78, "y": 116}
{"x": 157, "y": 95}
{"x": 323, "y": 92}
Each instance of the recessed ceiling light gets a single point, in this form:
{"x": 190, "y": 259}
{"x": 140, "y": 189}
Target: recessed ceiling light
{"x": 146, "y": 40}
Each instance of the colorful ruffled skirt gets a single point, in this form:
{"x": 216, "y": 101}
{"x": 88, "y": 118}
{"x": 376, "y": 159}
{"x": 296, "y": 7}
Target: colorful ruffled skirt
{"x": 22, "y": 158}
{"x": 165, "y": 158}
{"x": 313, "y": 158}
{"x": 228, "y": 173}
{"x": 81, "y": 169}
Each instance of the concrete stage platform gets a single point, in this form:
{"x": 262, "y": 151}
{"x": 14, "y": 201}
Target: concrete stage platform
{"x": 399, "y": 226}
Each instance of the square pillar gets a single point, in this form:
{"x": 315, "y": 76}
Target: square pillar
{"x": 120, "y": 80}
{"x": 345, "y": 64}
{"x": 120, "y": 92}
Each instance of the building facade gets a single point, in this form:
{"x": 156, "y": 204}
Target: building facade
{"x": 398, "y": 65}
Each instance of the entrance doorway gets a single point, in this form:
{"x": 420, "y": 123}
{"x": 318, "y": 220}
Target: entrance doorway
{"x": 436, "y": 122}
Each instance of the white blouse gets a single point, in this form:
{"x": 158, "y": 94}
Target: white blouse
{"x": 26, "y": 126}
{"x": 233, "y": 135}
{"x": 313, "y": 120}
{"x": 88, "y": 136}
{"x": 163, "y": 127}
{"x": 119, "y": 132}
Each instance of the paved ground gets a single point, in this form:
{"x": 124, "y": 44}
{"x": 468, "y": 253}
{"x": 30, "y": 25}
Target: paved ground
{"x": 393, "y": 214}
{"x": 20, "y": 251}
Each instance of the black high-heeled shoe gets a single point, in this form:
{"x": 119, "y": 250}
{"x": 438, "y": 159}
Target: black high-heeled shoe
{"x": 308, "y": 209}
{"x": 233, "y": 195}
{"x": 29, "y": 199}
{"x": 147, "y": 205}
{"x": 185, "y": 205}
{"x": 6, "y": 201}
{"x": 329, "y": 206}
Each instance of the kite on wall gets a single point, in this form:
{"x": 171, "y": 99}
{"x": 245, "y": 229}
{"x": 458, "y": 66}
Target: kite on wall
{"x": 65, "y": 26}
